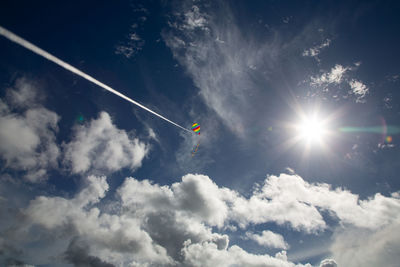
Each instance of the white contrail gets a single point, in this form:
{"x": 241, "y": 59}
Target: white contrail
{"x": 22, "y": 42}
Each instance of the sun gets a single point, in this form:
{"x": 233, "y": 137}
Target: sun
{"x": 311, "y": 129}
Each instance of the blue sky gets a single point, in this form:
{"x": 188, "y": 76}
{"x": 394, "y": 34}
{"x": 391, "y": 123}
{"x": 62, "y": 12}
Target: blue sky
{"x": 298, "y": 156}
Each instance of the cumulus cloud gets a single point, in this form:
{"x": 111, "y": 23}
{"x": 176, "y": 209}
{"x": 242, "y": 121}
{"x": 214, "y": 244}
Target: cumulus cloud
{"x": 268, "y": 239}
{"x": 370, "y": 213}
{"x": 101, "y": 146}
{"x": 27, "y": 132}
{"x": 201, "y": 199}
{"x": 257, "y": 210}
{"x": 110, "y": 236}
{"x": 196, "y": 195}
{"x": 78, "y": 255}
{"x": 363, "y": 247}
{"x": 175, "y": 216}
{"x": 181, "y": 223}
{"x": 150, "y": 225}
{"x": 207, "y": 254}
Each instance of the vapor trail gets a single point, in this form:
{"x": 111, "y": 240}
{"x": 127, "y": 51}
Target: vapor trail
{"x": 22, "y": 42}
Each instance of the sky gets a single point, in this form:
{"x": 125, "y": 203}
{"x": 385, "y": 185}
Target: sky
{"x": 297, "y": 162}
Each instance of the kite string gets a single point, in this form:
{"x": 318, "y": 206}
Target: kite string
{"x": 28, "y": 45}
{"x": 195, "y": 150}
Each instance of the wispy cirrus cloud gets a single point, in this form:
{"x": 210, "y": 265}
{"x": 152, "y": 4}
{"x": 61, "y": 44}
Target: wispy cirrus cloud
{"x": 219, "y": 59}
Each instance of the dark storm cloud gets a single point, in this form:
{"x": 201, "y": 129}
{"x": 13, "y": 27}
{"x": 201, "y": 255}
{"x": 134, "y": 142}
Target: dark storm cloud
{"x": 164, "y": 229}
{"x": 16, "y": 263}
{"x": 9, "y": 255}
{"x": 77, "y": 253}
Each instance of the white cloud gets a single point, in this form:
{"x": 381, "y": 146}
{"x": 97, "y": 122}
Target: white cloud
{"x": 133, "y": 44}
{"x": 221, "y": 70}
{"x": 78, "y": 255}
{"x": 328, "y": 263}
{"x": 302, "y": 201}
{"x": 258, "y": 210}
{"x": 316, "y": 50}
{"x": 268, "y": 239}
{"x": 152, "y": 134}
{"x": 101, "y": 146}
{"x": 196, "y": 196}
{"x": 199, "y": 198}
{"x": 335, "y": 76}
{"x": 25, "y": 94}
{"x": 338, "y": 75}
{"x": 127, "y": 51}
{"x": 359, "y": 89}
{"x": 111, "y": 237}
{"x": 195, "y": 19}
{"x": 361, "y": 247}
{"x": 203, "y": 198}
{"x": 27, "y": 140}
{"x": 371, "y": 213}
{"x": 207, "y": 254}
{"x": 150, "y": 225}
{"x": 131, "y": 48}
{"x": 174, "y": 224}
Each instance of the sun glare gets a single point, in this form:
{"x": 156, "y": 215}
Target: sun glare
{"x": 311, "y": 130}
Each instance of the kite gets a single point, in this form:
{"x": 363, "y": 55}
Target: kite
{"x": 196, "y": 129}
